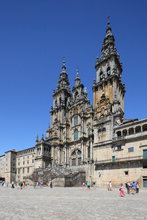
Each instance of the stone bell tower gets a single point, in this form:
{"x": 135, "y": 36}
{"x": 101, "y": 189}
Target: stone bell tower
{"x": 61, "y": 97}
{"x": 108, "y": 90}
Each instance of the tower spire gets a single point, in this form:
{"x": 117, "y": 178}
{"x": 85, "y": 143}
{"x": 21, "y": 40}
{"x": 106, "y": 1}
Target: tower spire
{"x": 77, "y": 79}
{"x": 108, "y": 47}
{"x": 63, "y": 65}
{"x": 63, "y": 82}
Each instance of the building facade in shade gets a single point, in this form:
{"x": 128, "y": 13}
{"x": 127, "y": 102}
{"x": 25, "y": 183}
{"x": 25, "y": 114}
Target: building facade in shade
{"x": 95, "y": 138}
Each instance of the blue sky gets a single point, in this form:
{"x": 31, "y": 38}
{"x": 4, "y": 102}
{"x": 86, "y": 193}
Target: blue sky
{"x": 34, "y": 37}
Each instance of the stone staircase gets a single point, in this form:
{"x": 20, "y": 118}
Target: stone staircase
{"x": 60, "y": 176}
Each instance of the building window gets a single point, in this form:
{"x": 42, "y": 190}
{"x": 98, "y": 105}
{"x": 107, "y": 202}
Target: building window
{"x": 144, "y": 128}
{"x": 79, "y": 161}
{"x": 101, "y": 75}
{"x": 28, "y": 169}
{"x": 144, "y": 181}
{"x": 144, "y": 165}
{"x": 23, "y": 162}
{"x": 99, "y": 132}
{"x": 131, "y": 131}
{"x": 75, "y": 120}
{"x": 118, "y": 147}
{"x": 103, "y": 130}
{"x": 89, "y": 152}
{"x": 23, "y": 170}
{"x": 89, "y": 131}
{"x": 74, "y": 162}
{"x": 124, "y": 132}
{"x": 131, "y": 149}
{"x": 18, "y": 163}
{"x": 108, "y": 71}
{"x": 126, "y": 172}
{"x": 113, "y": 158}
{"x": 19, "y": 171}
{"x": 145, "y": 154}
{"x": 138, "y": 129}
{"x": 118, "y": 134}
{"x": 32, "y": 161}
{"x": 27, "y": 161}
{"x": 76, "y": 134}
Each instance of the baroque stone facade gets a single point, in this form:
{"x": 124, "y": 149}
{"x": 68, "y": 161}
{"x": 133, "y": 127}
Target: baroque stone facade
{"x": 95, "y": 138}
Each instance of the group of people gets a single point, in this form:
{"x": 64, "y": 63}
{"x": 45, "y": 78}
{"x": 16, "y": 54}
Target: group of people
{"x": 86, "y": 184}
{"x": 22, "y": 184}
{"x": 132, "y": 188}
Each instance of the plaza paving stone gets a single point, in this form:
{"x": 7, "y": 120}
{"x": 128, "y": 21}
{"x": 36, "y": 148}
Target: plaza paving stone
{"x": 70, "y": 204}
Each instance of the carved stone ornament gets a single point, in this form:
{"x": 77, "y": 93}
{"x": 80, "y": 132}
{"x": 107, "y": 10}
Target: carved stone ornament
{"x": 103, "y": 106}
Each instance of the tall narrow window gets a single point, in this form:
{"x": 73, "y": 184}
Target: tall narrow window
{"x": 79, "y": 161}
{"x": 89, "y": 131}
{"x": 89, "y": 152}
{"x": 76, "y": 134}
{"x": 101, "y": 75}
{"x": 74, "y": 162}
{"x": 76, "y": 120}
{"x": 108, "y": 71}
{"x": 113, "y": 158}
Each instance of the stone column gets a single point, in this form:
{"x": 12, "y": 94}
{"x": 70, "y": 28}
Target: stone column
{"x": 91, "y": 149}
{"x": 82, "y": 144}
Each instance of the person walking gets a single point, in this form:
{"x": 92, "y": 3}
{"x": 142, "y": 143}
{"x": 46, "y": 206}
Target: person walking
{"x": 12, "y": 185}
{"x": 121, "y": 191}
{"x": 137, "y": 187}
{"x": 128, "y": 185}
{"x": 133, "y": 188}
{"x": 88, "y": 185}
{"x": 109, "y": 186}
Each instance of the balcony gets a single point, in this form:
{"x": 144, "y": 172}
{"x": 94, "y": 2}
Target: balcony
{"x": 122, "y": 159}
{"x": 119, "y": 138}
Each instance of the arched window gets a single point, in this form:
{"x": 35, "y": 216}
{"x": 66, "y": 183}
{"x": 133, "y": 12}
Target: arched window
{"x": 131, "y": 131}
{"x": 138, "y": 129}
{"x": 73, "y": 153}
{"x": 101, "y": 75}
{"x": 118, "y": 134}
{"x": 124, "y": 132}
{"x": 75, "y": 120}
{"x": 108, "y": 71}
{"x": 74, "y": 162}
{"x": 76, "y": 134}
{"x": 144, "y": 127}
{"x": 99, "y": 132}
{"x": 103, "y": 130}
{"x": 76, "y": 157}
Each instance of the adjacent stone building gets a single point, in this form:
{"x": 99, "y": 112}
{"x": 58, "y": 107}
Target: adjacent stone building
{"x": 95, "y": 137}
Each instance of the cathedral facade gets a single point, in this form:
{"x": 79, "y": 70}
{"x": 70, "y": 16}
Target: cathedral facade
{"x": 95, "y": 138}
